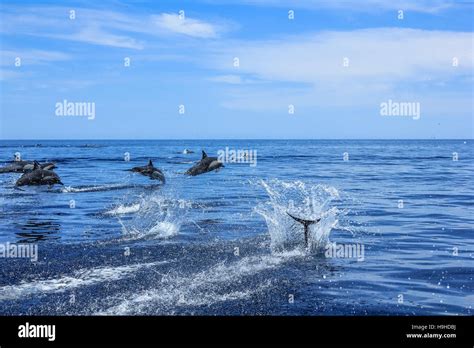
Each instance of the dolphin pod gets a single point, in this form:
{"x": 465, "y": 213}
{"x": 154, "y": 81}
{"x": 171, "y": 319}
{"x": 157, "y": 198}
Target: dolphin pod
{"x": 25, "y": 166}
{"x": 35, "y": 173}
{"x": 39, "y": 176}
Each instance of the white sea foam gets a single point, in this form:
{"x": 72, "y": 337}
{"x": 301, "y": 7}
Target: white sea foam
{"x": 164, "y": 229}
{"x": 202, "y": 288}
{"x": 124, "y": 209}
{"x": 70, "y": 189}
{"x": 80, "y": 278}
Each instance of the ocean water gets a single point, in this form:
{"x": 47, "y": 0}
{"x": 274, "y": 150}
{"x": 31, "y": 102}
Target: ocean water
{"x": 222, "y": 243}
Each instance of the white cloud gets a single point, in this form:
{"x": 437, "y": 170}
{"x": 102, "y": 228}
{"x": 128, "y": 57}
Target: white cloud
{"x": 387, "y": 54}
{"x": 101, "y": 27}
{"x": 96, "y": 36}
{"x": 27, "y": 58}
{"x": 186, "y": 26}
{"x": 31, "y": 57}
{"x": 423, "y": 6}
{"x": 383, "y": 63}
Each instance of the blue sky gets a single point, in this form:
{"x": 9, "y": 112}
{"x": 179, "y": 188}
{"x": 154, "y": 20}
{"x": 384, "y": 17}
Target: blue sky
{"x": 190, "y": 61}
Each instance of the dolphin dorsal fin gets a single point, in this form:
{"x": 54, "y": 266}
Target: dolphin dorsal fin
{"x": 36, "y": 165}
{"x": 150, "y": 163}
{"x": 204, "y": 154}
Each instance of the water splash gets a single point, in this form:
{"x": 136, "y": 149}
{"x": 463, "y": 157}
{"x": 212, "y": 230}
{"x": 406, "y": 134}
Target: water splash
{"x": 306, "y": 201}
{"x": 154, "y": 216}
{"x": 123, "y": 209}
{"x": 79, "y": 278}
{"x": 104, "y": 188}
{"x": 172, "y": 289}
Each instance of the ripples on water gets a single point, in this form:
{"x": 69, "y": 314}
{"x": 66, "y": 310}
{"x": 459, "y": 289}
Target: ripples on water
{"x": 222, "y": 243}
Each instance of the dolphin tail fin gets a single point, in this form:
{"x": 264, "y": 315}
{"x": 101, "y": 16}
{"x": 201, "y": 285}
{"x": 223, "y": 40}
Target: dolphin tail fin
{"x": 50, "y": 166}
{"x": 303, "y": 221}
{"x": 306, "y": 224}
{"x": 157, "y": 174}
{"x": 204, "y": 154}
{"x": 150, "y": 163}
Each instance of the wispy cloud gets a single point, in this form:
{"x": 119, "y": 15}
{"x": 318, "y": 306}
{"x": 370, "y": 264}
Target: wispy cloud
{"x": 423, "y": 6}
{"x": 27, "y": 57}
{"x": 102, "y": 27}
{"x": 31, "y": 56}
{"x": 186, "y": 26}
{"x": 380, "y": 62}
{"x": 388, "y": 54}
{"x": 95, "y": 35}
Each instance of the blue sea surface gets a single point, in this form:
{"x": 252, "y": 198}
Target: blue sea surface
{"x": 117, "y": 243}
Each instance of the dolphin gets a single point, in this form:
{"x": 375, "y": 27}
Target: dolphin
{"x": 25, "y": 166}
{"x": 39, "y": 176}
{"x": 150, "y": 171}
{"x": 306, "y": 224}
{"x": 206, "y": 164}
{"x": 187, "y": 151}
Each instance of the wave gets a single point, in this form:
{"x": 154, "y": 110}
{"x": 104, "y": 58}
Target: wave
{"x": 205, "y": 288}
{"x": 100, "y": 188}
{"x": 80, "y": 278}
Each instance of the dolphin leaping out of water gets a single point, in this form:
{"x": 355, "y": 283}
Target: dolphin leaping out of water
{"x": 25, "y": 166}
{"x": 306, "y": 224}
{"x": 206, "y": 164}
{"x": 39, "y": 176}
{"x": 150, "y": 171}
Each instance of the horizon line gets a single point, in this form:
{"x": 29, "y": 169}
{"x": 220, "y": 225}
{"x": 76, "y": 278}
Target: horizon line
{"x": 207, "y": 139}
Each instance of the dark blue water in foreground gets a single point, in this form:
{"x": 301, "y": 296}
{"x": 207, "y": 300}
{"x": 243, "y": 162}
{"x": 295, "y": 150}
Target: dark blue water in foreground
{"x": 222, "y": 243}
